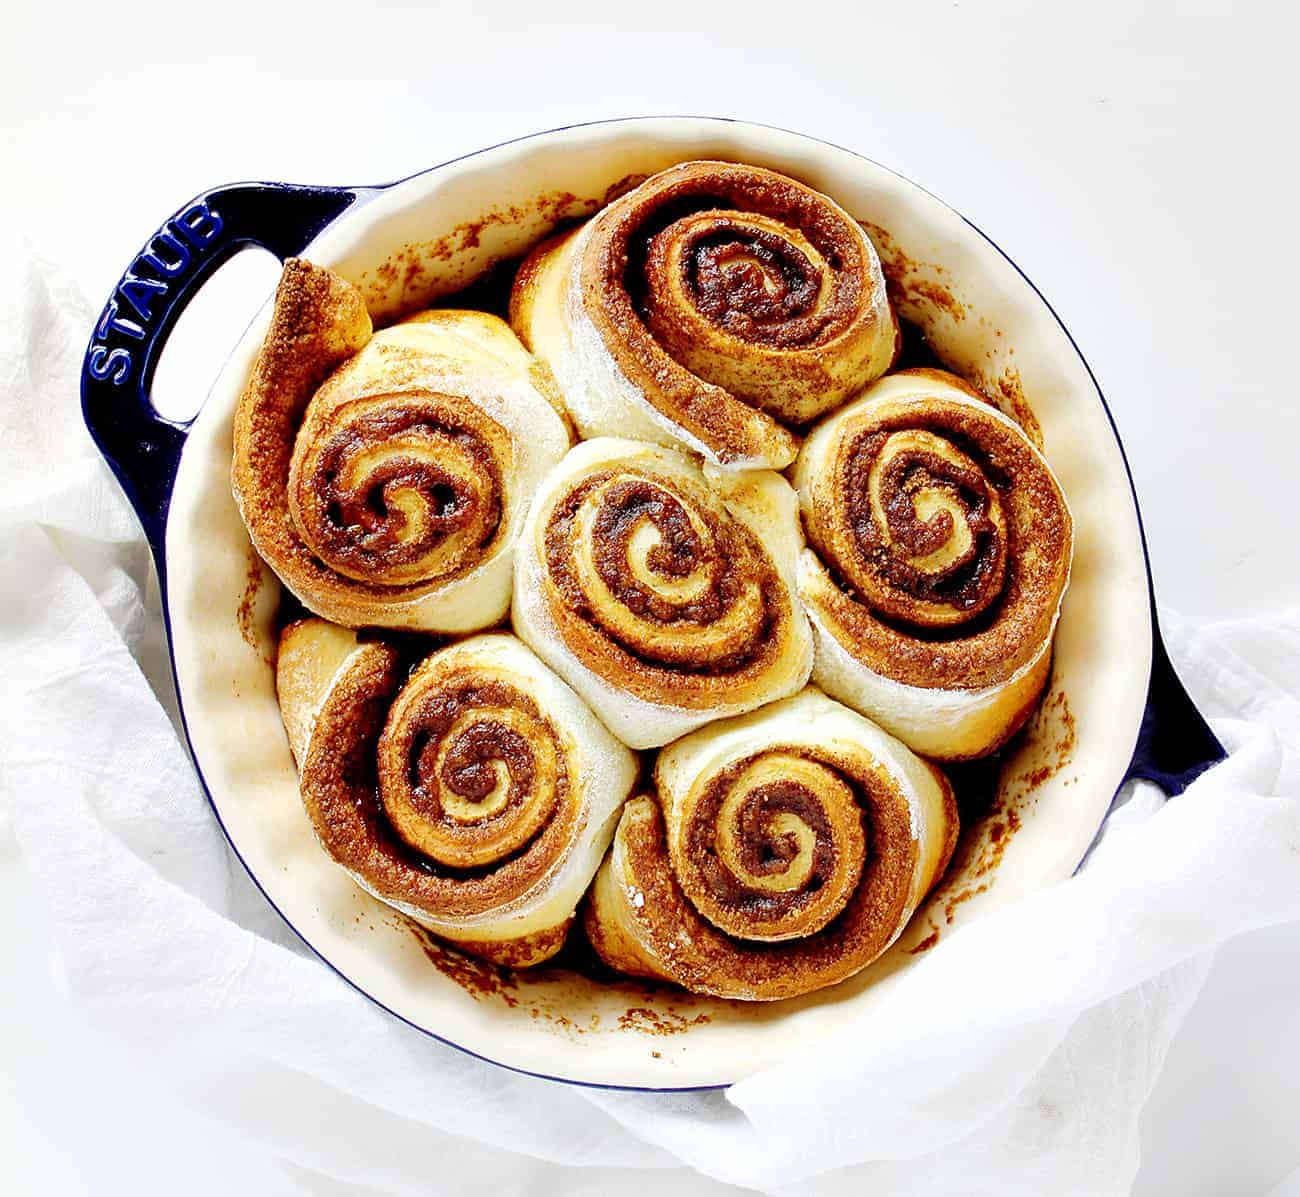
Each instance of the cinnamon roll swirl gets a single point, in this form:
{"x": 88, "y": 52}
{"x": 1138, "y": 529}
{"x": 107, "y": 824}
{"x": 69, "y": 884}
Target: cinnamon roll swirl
{"x": 476, "y": 795}
{"x": 383, "y": 476}
{"x": 709, "y": 308}
{"x": 663, "y": 600}
{"x": 783, "y": 852}
{"x": 940, "y": 546}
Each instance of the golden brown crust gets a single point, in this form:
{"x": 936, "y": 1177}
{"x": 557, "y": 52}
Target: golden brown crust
{"x": 772, "y": 846}
{"x": 472, "y": 772}
{"x": 733, "y": 300}
{"x": 318, "y": 322}
{"x": 352, "y": 817}
{"x": 359, "y": 459}
{"x": 375, "y": 471}
{"x": 925, "y": 479}
{"x": 608, "y": 936}
{"x": 451, "y": 793}
{"x": 692, "y": 952}
{"x": 691, "y": 649}
{"x": 779, "y": 854}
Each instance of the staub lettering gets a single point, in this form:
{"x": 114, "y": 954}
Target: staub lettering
{"x": 157, "y": 271}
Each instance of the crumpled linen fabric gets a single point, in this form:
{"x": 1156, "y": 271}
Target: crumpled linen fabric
{"x": 1013, "y": 1059}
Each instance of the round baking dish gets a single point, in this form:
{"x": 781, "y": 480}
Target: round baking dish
{"x": 1113, "y": 709}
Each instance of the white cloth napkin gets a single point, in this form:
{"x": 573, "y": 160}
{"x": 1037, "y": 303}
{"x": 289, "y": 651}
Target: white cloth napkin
{"x": 1013, "y": 1059}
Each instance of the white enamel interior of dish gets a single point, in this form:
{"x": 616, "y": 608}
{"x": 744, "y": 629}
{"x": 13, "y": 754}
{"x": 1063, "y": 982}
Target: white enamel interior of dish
{"x": 568, "y": 1027}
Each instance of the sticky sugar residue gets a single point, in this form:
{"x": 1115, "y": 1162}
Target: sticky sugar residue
{"x": 910, "y": 283}
{"x": 413, "y": 273}
{"x": 1048, "y": 743}
{"x": 418, "y": 272}
{"x": 246, "y": 612}
{"x": 479, "y": 978}
{"x": 914, "y": 285}
{"x": 653, "y": 1007}
{"x": 927, "y": 943}
{"x": 559, "y": 992}
{"x": 979, "y": 854}
{"x": 646, "y": 1021}
{"x": 1008, "y": 396}
{"x": 562, "y": 1022}
{"x": 1053, "y": 730}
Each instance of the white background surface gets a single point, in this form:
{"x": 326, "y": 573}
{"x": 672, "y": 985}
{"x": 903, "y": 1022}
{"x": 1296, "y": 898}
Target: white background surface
{"x": 1137, "y": 161}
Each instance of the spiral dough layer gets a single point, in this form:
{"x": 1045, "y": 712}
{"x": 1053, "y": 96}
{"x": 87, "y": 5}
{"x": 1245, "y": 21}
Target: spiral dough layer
{"x": 384, "y": 477}
{"x": 710, "y": 308}
{"x": 476, "y": 795}
{"x": 663, "y": 601}
{"x": 784, "y": 851}
{"x": 939, "y": 550}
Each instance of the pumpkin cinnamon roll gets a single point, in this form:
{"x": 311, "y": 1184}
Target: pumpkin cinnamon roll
{"x": 783, "y": 851}
{"x": 662, "y": 596}
{"x": 384, "y": 475}
{"x": 713, "y": 307}
{"x": 940, "y": 547}
{"x": 476, "y": 793}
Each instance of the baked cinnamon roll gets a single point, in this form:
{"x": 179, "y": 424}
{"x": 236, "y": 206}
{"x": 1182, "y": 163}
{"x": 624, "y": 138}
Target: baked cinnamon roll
{"x": 664, "y": 597}
{"x": 384, "y": 476}
{"x": 783, "y": 852}
{"x": 710, "y": 308}
{"x": 940, "y": 547}
{"x": 476, "y": 795}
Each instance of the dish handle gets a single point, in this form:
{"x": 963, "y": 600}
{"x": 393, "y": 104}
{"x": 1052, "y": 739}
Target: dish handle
{"x": 1175, "y": 745}
{"x": 142, "y": 447}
